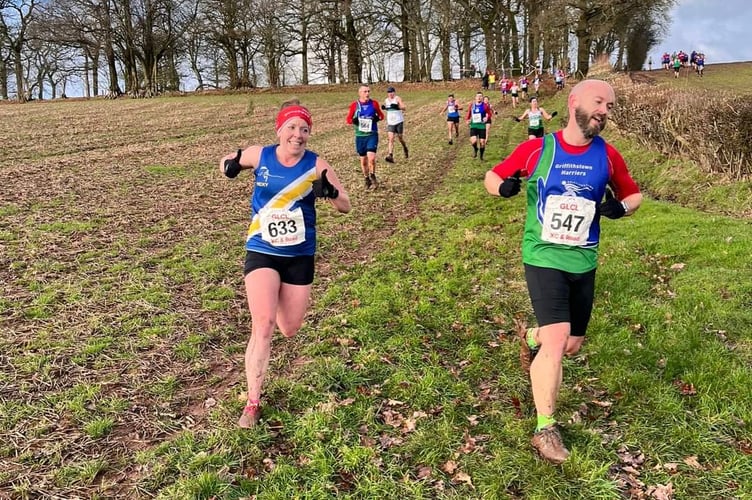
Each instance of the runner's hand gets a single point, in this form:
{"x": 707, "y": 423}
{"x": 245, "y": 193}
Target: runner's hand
{"x": 510, "y": 186}
{"x": 232, "y": 167}
{"x": 554, "y": 114}
{"x": 322, "y": 188}
{"x": 516, "y": 118}
{"x": 611, "y": 207}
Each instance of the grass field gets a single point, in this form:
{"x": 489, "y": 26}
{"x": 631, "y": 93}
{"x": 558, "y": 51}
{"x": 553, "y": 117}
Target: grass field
{"x": 123, "y": 318}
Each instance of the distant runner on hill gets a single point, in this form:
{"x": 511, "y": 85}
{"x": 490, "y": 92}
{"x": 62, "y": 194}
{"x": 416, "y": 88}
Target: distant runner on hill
{"x": 491, "y": 113}
{"x": 395, "y": 123}
{"x": 452, "y": 109}
{"x": 666, "y": 60}
{"x": 535, "y": 117}
{"x": 700, "y": 64}
{"x": 477, "y": 114}
{"x": 364, "y": 114}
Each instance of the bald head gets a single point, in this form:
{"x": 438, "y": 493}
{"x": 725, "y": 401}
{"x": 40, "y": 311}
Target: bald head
{"x": 589, "y": 103}
{"x": 593, "y": 89}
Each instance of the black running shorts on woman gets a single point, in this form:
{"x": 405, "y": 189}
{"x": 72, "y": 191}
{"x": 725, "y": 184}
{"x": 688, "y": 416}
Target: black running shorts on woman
{"x": 292, "y": 270}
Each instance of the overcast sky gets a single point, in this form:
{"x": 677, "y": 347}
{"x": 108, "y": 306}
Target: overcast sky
{"x": 719, "y": 28}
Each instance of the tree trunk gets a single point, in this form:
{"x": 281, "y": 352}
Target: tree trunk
{"x": 3, "y": 80}
{"x": 304, "y": 52}
{"x": 354, "y": 57}
{"x": 584, "y": 42}
{"x": 407, "y": 53}
{"x": 87, "y": 87}
{"x": 18, "y": 70}
{"x": 95, "y": 72}
{"x": 583, "y": 55}
{"x": 53, "y": 87}
{"x": 446, "y": 63}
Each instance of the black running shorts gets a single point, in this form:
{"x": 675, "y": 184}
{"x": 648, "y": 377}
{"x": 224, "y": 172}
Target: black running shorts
{"x": 291, "y": 270}
{"x": 561, "y": 297}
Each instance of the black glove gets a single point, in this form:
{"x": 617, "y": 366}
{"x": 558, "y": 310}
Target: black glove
{"x": 383, "y": 106}
{"x": 394, "y": 106}
{"x": 322, "y": 188}
{"x": 510, "y": 186}
{"x": 356, "y": 121}
{"x": 612, "y": 208}
{"x": 554, "y": 114}
{"x": 516, "y": 118}
{"x": 232, "y": 167}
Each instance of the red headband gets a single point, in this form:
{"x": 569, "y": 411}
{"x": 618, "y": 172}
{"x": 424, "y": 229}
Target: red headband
{"x": 291, "y": 112}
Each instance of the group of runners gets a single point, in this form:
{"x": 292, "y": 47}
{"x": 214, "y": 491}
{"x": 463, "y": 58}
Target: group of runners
{"x": 480, "y": 115}
{"x": 680, "y": 59}
{"x": 571, "y": 179}
{"x": 365, "y": 114}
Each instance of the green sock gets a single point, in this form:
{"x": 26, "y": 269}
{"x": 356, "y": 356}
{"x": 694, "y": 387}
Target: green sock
{"x": 545, "y": 421}
{"x": 531, "y": 338}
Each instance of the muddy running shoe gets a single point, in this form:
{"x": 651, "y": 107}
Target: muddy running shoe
{"x": 389, "y": 158}
{"x": 451, "y": 142}
{"x": 526, "y": 353}
{"x": 475, "y": 154}
{"x": 548, "y": 443}
{"x": 374, "y": 181}
{"x": 368, "y": 182}
{"x": 250, "y": 416}
{"x": 404, "y": 148}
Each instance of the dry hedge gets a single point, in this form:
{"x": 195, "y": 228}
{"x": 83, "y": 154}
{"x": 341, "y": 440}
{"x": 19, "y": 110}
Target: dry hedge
{"x": 714, "y": 131}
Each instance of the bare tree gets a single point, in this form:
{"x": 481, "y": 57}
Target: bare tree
{"x": 5, "y": 56}
{"x": 86, "y": 25}
{"x": 15, "y": 18}
{"x": 230, "y": 24}
{"x": 325, "y": 44}
{"x": 149, "y": 30}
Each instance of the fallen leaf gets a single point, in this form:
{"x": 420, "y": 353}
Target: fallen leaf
{"x": 424, "y": 472}
{"x": 693, "y": 462}
{"x": 671, "y": 466}
{"x": 449, "y": 467}
{"x": 661, "y": 492}
{"x": 408, "y": 425}
{"x": 462, "y": 477}
{"x": 469, "y": 445}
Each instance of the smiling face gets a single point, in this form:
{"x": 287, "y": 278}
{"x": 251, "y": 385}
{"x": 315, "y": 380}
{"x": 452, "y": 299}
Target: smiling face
{"x": 293, "y": 136}
{"x": 592, "y": 102}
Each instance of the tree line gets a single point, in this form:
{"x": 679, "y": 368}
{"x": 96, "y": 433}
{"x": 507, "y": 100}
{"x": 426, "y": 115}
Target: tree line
{"x": 145, "y": 47}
